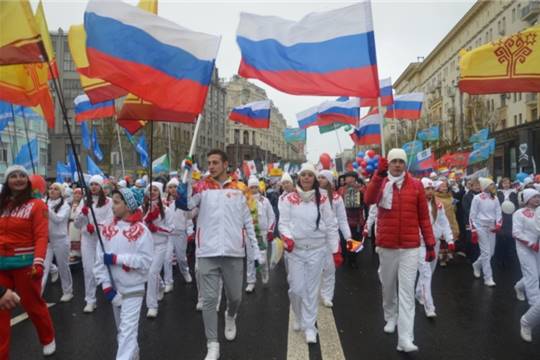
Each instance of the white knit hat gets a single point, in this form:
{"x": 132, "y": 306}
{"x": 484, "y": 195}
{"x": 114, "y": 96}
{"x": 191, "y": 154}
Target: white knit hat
{"x": 97, "y": 179}
{"x": 397, "y": 154}
{"x": 158, "y": 185}
{"x": 10, "y": 170}
{"x": 484, "y": 183}
{"x": 122, "y": 184}
{"x": 174, "y": 182}
{"x": 253, "y": 181}
{"x": 309, "y": 167}
{"x": 61, "y": 188}
{"x": 286, "y": 177}
{"x": 527, "y": 195}
{"x": 426, "y": 182}
{"x": 327, "y": 174}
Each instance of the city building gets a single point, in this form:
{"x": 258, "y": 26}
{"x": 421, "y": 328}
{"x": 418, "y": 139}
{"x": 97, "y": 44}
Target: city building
{"x": 513, "y": 118}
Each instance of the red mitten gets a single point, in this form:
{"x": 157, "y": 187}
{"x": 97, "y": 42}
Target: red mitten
{"x": 36, "y": 272}
{"x": 451, "y": 247}
{"x": 430, "y": 254}
{"x": 382, "y": 169}
{"x": 85, "y": 210}
{"x": 474, "y": 237}
{"x": 270, "y": 236}
{"x": 497, "y": 228}
{"x": 90, "y": 228}
{"x": 535, "y": 247}
{"x": 191, "y": 238}
{"x": 338, "y": 259}
{"x": 153, "y": 228}
{"x": 152, "y": 215}
{"x": 288, "y": 243}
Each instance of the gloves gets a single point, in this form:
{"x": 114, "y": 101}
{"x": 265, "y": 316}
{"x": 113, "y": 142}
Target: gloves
{"x": 338, "y": 259}
{"x": 451, "y": 247}
{"x": 152, "y": 215}
{"x": 187, "y": 164}
{"x": 191, "y": 238}
{"x": 430, "y": 253}
{"x": 270, "y": 236}
{"x": 85, "y": 210}
{"x": 288, "y": 244}
{"x": 474, "y": 237}
{"x": 36, "y": 272}
{"x": 497, "y": 228}
{"x": 153, "y": 228}
{"x": 112, "y": 296}
{"x": 90, "y": 228}
{"x": 382, "y": 170}
{"x": 535, "y": 247}
{"x": 109, "y": 259}
{"x": 182, "y": 197}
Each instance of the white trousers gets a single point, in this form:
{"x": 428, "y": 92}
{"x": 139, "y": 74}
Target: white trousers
{"x": 486, "y": 242}
{"x": 328, "y": 281}
{"x": 88, "y": 254}
{"x": 154, "y": 278}
{"x": 532, "y": 317}
{"x": 425, "y": 274}
{"x": 397, "y": 274}
{"x": 177, "y": 245}
{"x": 126, "y": 318}
{"x": 59, "y": 249}
{"x": 304, "y": 276}
{"x": 530, "y": 270}
{"x": 251, "y": 271}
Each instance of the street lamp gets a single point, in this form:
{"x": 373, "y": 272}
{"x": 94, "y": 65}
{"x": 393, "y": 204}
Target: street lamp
{"x": 461, "y": 120}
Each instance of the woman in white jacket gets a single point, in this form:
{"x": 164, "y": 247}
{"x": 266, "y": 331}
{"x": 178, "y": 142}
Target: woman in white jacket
{"x": 308, "y": 228}
{"x": 182, "y": 230}
{"x": 441, "y": 230}
{"x": 326, "y": 181}
{"x": 157, "y": 218}
{"x": 128, "y": 254}
{"x": 102, "y": 207}
{"x": 58, "y": 240}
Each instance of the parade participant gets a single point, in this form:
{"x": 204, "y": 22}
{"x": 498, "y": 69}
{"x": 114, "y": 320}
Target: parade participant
{"x": 308, "y": 228}
{"x": 266, "y": 222}
{"x": 102, "y": 207}
{"x": 58, "y": 246}
{"x": 402, "y": 216}
{"x": 504, "y": 243}
{"x": 223, "y": 214}
{"x": 485, "y": 221}
{"x": 23, "y": 245}
{"x": 353, "y": 197}
{"x": 473, "y": 189}
{"x": 326, "y": 182}
{"x": 128, "y": 253}
{"x": 178, "y": 239}
{"x": 158, "y": 219}
{"x": 74, "y": 232}
{"x": 441, "y": 229}
{"x": 527, "y": 246}
{"x": 445, "y": 197}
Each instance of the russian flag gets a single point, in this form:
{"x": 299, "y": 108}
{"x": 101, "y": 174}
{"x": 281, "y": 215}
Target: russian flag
{"x": 369, "y": 131}
{"x": 425, "y": 161}
{"x": 85, "y": 110}
{"x": 339, "y": 111}
{"x": 386, "y": 96}
{"x": 406, "y": 106}
{"x": 329, "y": 53}
{"x": 255, "y": 114}
{"x": 149, "y": 56}
{"x": 307, "y": 117}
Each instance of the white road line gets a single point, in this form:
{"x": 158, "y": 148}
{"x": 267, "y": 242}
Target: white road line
{"x": 20, "y": 318}
{"x": 328, "y": 335}
{"x": 297, "y": 348}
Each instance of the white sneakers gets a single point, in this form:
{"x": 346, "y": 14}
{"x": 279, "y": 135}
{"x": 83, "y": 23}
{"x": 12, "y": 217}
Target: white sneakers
{"x": 198, "y": 307}
{"x": 430, "y": 313}
{"x": 327, "y": 303}
{"x": 489, "y": 283}
{"x": 187, "y": 278}
{"x": 311, "y": 336}
{"x": 49, "y": 349}
{"x": 161, "y": 293}
{"x": 407, "y": 346}
{"x": 54, "y": 276}
{"x": 250, "y": 288}
{"x": 66, "y": 298}
{"x": 296, "y": 325}
{"x": 89, "y": 308}
{"x": 525, "y": 332}
{"x": 230, "y": 327}
{"x": 390, "y": 327}
{"x": 476, "y": 272}
{"x": 169, "y": 288}
{"x": 152, "y": 313}
{"x": 213, "y": 351}
{"x": 520, "y": 294}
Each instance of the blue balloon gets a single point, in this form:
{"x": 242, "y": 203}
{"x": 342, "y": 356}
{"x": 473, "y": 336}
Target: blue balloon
{"x": 377, "y": 157}
{"x": 355, "y": 165}
{"x": 360, "y": 154}
{"x": 521, "y": 176}
{"x": 369, "y": 168}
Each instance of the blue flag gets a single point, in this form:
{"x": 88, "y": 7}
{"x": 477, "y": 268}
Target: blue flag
{"x": 93, "y": 169}
{"x": 71, "y": 163}
{"x": 429, "y": 134}
{"x": 5, "y": 114}
{"x": 481, "y": 153}
{"x": 412, "y": 148}
{"x": 27, "y": 113}
{"x": 130, "y": 138}
{"x": 85, "y": 133}
{"x": 490, "y": 143}
{"x": 23, "y": 158}
{"x": 142, "y": 149}
{"x": 95, "y": 145}
{"x": 63, "y": 172}
{"x": 481, "y": 135}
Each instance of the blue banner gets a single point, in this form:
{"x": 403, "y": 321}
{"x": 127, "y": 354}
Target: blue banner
{"x": 294, "y": 135}
{"x": 482, "y": 153}
{"x": 23, "y": 158}
{"x": 490, "y": 143}
{"x": 95, "y": 145}
{"x": 93, "y": 169}
{"x": 63, "y": 172}
{"x": 481, "y": 135}
{"x": 142, "y": 149}
{"x": 429, "y": 134}
{"x": 412, "y": 148}
{"x": 85, "y": 134}
{"x": 6, "y": 115}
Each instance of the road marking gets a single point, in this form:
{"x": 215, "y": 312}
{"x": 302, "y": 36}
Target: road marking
{"x": 328, "y": 335}
{"x": 297, "y": 348}
{"x": 20, "y": 318}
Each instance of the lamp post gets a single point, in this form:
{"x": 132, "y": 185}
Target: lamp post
{"x": 461, "y": 116}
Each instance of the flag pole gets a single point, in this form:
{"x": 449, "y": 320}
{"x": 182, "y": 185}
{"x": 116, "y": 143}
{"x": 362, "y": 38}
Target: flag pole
{"x": 13, "y": 136}
{"x": 28, "y": 141}
{"x": 395, "y": 121}
{"x": 169, "y": 138}
{"x": 192, "y": 146}
{"x": 151, "y": 152}
{"x": 383, "y": 149}
{"x": 337, "y": 137}
{"x": 121, "y": 151}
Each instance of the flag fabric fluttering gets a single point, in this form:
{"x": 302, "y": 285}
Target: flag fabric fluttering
{"x": 482, "y": 153}
{"x": 142, "y": 149}
{"x": 386, "y": 95}
{"x": 339, "y": 111}
{"x": 255, "y": 114}
{"x": 327, "y": 53}
{"x": 323, "y": 129}
{"x": 20, "y": 38}
{"x": 509, "y": 64}
{"x": 424, "y": 161}
{"x": 307, "y": 117}
{"x": 249, "y": 168}
{"x": 481, "y": 135}
{"x": 95, "y": 145}
{"x": 126, "y": 46}
{"x": 490, "y": 143}
{"x": 71, "y": 163}
{"x": 293, "y": 135}
{"x": 6, "y": 115}
{"x": 161, "y": 164}
{"x": 85, "y": 110}
{"x": 63, "y": 172}
{"x": 85, "y": 135}
{"x": 47, "y": 42}
{"x": 406, "y": 106}
{"x": 369, "y": 130}
{"x": 455, "y": 160}
{"x": 28, "y": 155}
{"x": 429, "y": 134}
{"x": 412, "y": 148}
{"x": 92, "y": 167}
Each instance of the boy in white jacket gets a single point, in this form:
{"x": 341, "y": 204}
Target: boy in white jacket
{"x": 128, "y": 252}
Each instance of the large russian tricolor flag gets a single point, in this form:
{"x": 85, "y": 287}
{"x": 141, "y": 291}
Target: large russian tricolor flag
{"x": 339, "y": 111}
{"x": 329, "y": 53}
{"x": 149, "y": 56}
{"x": 255, "y": 114}
{"x": 85, "y": 110}
{"x": 387, "y": 98}
{"x": 369, "y": 131}
{"x": 406, "y": 106}
{"x": 308, "y": 117}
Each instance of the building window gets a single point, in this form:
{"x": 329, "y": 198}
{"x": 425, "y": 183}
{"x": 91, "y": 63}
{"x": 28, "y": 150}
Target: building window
{"x": 520, "y": 119}
{"x": 519, "y": 96}
{"x": 515, "y": 97}
{"x": 246, "y": 138}
{"x": 513, "y": 14}
{"x": 515, "y": 120}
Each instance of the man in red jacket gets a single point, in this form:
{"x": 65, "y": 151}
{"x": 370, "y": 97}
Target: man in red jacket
{"x": 402, "y": 222}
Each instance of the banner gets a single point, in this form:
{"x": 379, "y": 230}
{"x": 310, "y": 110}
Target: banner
{"x": 161, "y": 164}
{"x": 28, "y": 155}
{"x": 429, "y": 134}
{"x": 490, "y": 143}
{"x": 412, "y": 148}
{"x": 481, "y": 135}
{"x": 63, "y": 172}
{"x": 293, "y": 135}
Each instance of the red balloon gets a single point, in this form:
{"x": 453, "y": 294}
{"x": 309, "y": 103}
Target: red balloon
{"x": 363, "y": 164}
{"x": 359, "y": 160}
{"x": 38, "y": 184}
{"x": 326, "y": 161}
{"x": 370, "y": 153}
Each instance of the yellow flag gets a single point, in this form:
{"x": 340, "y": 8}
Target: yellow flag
{"x": 511, "y": 64}
{"x": 47, "y": 42}
{"x": 20, "y": 39}
{"x": 148, "y": 5}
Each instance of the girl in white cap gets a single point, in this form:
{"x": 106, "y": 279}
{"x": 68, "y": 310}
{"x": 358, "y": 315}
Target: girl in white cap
{"x": 308, "y": 228}
{"x": 486, "y": 220}
{"x": 527, "y": 245}
{"x": 157, "y": 218}
{"x": 326, "y": 181}
{"x": 178, "y": 240}
{"x": 441, "y": 228}
{"x": 59, "y": 244}
{"x": 102, "y": 207}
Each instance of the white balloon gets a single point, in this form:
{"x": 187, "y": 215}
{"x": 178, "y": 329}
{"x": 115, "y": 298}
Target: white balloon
{"x": 508, "y": 207}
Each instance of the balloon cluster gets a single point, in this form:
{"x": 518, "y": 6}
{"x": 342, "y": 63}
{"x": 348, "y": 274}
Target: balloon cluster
{"x": 367, "y": 162}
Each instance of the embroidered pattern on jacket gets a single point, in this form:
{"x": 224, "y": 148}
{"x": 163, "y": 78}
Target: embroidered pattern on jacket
{"x": 134, "y": 232}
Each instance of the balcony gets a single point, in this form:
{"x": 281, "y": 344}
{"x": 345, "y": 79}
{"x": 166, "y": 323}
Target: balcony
{"x": 530, "y": 12}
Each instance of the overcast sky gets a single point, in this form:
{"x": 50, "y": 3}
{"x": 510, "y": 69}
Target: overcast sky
{"x": 404, "y": 30}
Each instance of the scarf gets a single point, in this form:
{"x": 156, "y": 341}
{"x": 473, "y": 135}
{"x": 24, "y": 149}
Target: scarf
{"x": 388, "y": 192}
{"x": 306, "y": 196}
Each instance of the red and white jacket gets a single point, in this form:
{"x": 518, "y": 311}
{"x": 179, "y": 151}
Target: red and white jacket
{"x": 338, "y": 208}
{"x": 441, "y": 225}
{"x": 525, "y": 228}
{"x": 104, "y": 215}
{"x": 163, "y": 225}
{"x": 485, "y": 212}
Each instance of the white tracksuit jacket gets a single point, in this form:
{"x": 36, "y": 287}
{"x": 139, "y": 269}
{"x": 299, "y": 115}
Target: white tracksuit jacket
{"x": 104, "y": 215}
{"x": 485, "y": 211}
{"x": 441, "y": 225}
{"x": 267, "y": 218}
{"x": 525, "y": 227}
{"x": 181, "y": 220}
{"x": 58, "y": 221}
{"x": 165, "y": 226}
{"x": 338, "y": 208}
